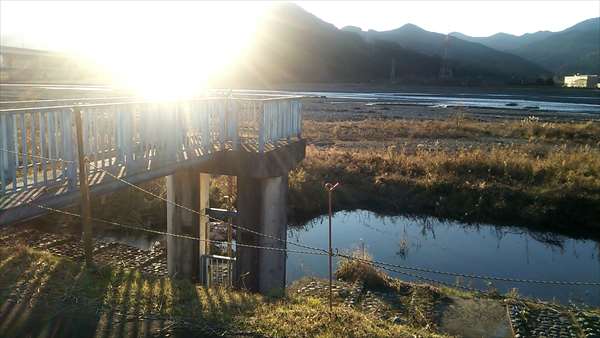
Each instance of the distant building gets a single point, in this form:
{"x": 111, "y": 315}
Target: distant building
{"x": 582, "y": 81}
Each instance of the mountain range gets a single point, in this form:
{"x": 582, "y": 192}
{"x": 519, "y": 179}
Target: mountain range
{"x": 573, "y": 50}
{"x": 293, "y": 45}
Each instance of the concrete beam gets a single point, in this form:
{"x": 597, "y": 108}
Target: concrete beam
{"x": 188, "y": 188}
{"x": 262, "y": 208}
{"x": 277, "y": 162}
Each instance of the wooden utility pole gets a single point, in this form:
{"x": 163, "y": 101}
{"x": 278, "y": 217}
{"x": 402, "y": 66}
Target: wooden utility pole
{"x": 86, "y": 211}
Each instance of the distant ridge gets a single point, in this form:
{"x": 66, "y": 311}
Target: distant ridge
{"x": 467, "y": 59}
{"x": 573, "y": 50}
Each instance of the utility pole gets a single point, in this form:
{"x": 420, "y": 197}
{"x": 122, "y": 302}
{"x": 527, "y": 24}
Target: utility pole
{"x": 86, "y": 221}
{"x": 330, "y": 187}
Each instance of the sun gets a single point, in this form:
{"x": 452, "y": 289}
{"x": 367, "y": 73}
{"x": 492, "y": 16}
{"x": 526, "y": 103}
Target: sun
{"x": 171, "y": 49}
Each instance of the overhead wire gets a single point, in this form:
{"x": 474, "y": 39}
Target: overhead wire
{"x": 171, "y": 202}
{"x": 318, "y": 251}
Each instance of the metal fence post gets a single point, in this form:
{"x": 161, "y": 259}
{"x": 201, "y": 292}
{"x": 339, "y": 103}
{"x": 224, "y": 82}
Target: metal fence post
{"x": 330, "y": 187}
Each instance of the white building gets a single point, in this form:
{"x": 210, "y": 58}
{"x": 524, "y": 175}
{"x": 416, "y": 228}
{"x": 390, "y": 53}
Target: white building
{"x": 582, "y": 81}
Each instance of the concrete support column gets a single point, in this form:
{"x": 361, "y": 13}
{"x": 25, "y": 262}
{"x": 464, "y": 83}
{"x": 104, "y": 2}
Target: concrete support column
{"x": 262, "y": 207}
{"x": 185, "y": 187}
{"x": 204, "y": 190}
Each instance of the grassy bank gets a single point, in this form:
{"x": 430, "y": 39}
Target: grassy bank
{"x": 543, "y": 175}
{"x": 43, "y": 295}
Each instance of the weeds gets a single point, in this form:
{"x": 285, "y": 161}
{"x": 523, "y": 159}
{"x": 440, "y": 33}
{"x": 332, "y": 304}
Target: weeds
{"x": 351, "y": 270}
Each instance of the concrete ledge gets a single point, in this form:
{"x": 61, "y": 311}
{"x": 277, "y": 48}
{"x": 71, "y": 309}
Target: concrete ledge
{"x": 277, "y": 162}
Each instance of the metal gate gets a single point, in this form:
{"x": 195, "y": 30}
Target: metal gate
{"x": 218, "y": 270}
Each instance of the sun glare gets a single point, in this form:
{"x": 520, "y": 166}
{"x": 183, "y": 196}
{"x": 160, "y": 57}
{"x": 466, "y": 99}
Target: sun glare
{"x": 174, "y": 57}
{"x": 155, "y": 49}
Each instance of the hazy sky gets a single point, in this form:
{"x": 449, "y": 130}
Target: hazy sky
{"x": 63, "y": 23}
{"x": 476, "y": 18}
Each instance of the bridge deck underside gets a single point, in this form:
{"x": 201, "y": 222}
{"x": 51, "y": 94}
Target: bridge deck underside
{"x": 23, "y": 204}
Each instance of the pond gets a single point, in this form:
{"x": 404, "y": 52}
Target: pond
{"x": 454, "y": 247}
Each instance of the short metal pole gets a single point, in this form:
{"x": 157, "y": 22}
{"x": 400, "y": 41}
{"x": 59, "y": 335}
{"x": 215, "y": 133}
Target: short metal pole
{"x": 84, "y": 188}
{"x": 230, "y": 229}
{"x": 330, "y": 187}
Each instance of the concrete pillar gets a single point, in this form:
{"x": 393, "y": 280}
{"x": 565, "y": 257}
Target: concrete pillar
{"x": 262, "y": 207}
{"x": 185, "y": 187}
{"x": 204, "y": 190}
{"x": 248, "y": 205}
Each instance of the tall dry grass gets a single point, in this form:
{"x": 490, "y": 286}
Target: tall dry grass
{"x": 529, "y": 128}
{"x": 550, "y": 187}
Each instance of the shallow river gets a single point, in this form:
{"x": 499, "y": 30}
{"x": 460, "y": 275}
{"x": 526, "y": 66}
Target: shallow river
{"x": 455, "y": 247}
{"x": 582, "y": 103}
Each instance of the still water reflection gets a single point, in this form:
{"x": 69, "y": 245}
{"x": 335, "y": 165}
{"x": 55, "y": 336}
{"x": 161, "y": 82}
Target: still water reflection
{"x": 452, "y": 246}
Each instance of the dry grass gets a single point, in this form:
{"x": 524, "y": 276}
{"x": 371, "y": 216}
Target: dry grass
{"x": 539, "y": 186}
{"x": 528, "y": 172}
{"x": 43, "y": 295}
{"x": 298, "y": 317}
{"x": 351, "y": 270}
{"x": 386, "y": 130}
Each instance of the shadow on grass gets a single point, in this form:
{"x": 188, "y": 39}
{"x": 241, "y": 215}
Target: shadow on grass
{"x": 46, "y": 296}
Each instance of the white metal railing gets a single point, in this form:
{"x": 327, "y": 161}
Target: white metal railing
{"x": 130, "y": 134}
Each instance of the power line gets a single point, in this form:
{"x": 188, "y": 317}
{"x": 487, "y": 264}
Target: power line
{"x": 372, "y": 263}
{"x": 133, "y": 227}
{"x": 383, "y": 265}
{"x": 201, "y": 214}
{"x": 483, "y": 277}
{"x": 170, "y": 202}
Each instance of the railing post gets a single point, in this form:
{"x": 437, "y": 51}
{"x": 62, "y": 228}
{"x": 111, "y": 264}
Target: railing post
{"x": 299, "y": 118}
{"x": 24, "y": 159}
{"x": 6, "y": 140}
{"x": 233, "y": 124}
{"x": 261, "y": 127}
{"x": 205, "y": 126}
{"x": 222, "y": 113}
{"x": 288, "y": 119}
{"x": 68, "y": 154}
{"x": 86, "y": 221}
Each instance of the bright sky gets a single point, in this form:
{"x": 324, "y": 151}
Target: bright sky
{"x": 475, "y": 18}
{"x": 136, "y": 39}
{"x": 169, "y": 44}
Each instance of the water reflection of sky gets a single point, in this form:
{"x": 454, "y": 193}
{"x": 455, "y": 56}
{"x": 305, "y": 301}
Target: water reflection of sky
{"x": 581, "y": 104}
{"x": 451, "y": 246}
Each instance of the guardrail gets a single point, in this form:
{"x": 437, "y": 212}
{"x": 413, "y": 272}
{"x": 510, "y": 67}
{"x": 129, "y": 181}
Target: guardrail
{"x": 38, "y": 145}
